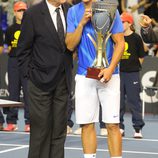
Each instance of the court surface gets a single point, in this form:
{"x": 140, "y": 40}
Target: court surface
{"x": 15, "y": 144}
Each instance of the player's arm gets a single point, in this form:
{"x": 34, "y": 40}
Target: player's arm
{"x": 118, "y": 49}
{"x": 73, "y": 39}
{"x": 119, "y": 45}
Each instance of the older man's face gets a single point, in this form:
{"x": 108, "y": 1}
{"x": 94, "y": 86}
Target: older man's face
{"x": 57, "y": 2}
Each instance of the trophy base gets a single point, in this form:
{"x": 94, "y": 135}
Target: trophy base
{"x": 93, "y": 73}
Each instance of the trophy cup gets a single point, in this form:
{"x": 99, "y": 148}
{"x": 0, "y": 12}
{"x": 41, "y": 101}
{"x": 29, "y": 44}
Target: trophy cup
{"x": 103, "y": 15}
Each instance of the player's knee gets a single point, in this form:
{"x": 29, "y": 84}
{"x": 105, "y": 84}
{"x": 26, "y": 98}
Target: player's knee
{"x": 86, "y": 127}
{"x": 112, "y": 127}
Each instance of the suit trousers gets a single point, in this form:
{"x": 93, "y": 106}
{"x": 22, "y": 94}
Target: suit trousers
{"x": 48, "y": 120}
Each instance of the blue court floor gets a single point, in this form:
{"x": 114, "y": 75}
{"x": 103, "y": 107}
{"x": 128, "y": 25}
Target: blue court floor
{"x": 15, "y": 144}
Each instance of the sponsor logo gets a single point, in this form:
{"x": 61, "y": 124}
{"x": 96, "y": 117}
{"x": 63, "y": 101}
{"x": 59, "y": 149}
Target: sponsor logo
{"x": 135, "y": 82}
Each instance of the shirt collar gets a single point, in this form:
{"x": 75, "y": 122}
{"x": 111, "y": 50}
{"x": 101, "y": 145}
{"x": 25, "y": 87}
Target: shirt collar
{"x": 51, "y": 7}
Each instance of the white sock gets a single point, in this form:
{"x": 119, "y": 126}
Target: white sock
{"x": 89, "y": 155}
{"x": 117, "y": 157}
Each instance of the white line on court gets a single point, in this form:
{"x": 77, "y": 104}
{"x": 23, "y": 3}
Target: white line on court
{"x": 71, "y": 135}
{"x": 102, "y": 137}
{"x": 72, "y": 148}
{"x": 13, "y": 149}
{"x": 12, "y": 145}
{"x": 133, "y": 139}
{"x": 125, "y": 151}
{"x": 5, "y": 132}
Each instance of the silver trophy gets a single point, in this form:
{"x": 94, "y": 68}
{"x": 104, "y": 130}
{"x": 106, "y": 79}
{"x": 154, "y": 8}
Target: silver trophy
{"x": 103, "y": 15}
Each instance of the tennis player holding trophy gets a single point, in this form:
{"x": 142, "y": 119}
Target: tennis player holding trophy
{"x": 95, "y": 29}
{"x": 103, "y": 15}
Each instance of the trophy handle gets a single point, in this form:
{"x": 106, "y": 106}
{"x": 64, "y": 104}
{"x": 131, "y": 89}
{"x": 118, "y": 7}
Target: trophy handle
{"x": 105, "y": 62}
{"x": 92, "y": 40}
{"x": 100, "y": 49}
{"x": 95, "y": 46}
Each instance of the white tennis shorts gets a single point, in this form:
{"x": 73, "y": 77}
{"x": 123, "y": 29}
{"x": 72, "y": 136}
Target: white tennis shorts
{"x": 89, "y": 93}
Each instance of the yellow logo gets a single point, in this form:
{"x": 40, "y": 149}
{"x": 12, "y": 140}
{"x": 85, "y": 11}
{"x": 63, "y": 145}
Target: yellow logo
{"x": 126, "y": 54}
{"x": 17, "y": 34}
{"x": 16, "y": 37}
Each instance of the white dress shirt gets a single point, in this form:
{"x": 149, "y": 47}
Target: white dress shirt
{"x": 54, "y": 15}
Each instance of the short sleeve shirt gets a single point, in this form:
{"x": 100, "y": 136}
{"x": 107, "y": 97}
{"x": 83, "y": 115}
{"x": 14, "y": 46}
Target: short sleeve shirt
{"x": 11, "y": 38}
{"x": 134, "y": 49}
{"x": 86, "y": 49}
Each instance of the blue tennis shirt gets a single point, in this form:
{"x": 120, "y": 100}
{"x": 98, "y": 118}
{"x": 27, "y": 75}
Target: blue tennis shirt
{"x": 86, "y": 49}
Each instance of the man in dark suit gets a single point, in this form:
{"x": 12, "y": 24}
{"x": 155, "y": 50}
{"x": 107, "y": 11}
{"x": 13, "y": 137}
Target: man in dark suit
{"x": 44, "y": 59}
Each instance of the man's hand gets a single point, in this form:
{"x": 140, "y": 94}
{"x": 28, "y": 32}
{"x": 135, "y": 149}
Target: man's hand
{"x": 105, "y": 75}
{"x": 86, "y": 17}
{"x": 145, "y": 21}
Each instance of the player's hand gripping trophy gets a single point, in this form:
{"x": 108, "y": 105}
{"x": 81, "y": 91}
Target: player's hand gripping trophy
{"x": 103, "y": 15}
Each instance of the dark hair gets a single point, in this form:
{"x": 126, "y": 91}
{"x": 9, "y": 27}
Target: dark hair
{"x": 132, "y": 28}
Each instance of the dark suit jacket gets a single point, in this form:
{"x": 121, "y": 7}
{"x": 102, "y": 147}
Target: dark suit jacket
{"x": 40, "y": 54}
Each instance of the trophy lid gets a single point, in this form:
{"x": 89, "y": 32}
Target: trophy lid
{"x": 103, "y": 14}
{"x": 107, "y": 2}
{"x": 109, "y": 5}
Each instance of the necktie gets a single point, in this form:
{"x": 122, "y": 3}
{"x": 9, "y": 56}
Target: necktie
{"x": 60, "y": 28}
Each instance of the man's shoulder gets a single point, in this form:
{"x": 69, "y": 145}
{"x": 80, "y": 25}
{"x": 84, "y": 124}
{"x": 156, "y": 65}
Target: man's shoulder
{"x": 35, "y": 8}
